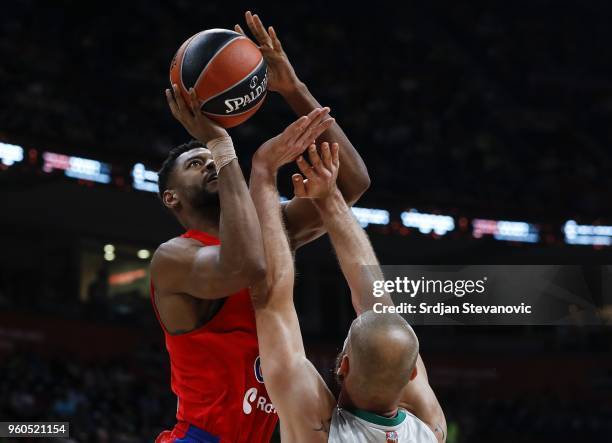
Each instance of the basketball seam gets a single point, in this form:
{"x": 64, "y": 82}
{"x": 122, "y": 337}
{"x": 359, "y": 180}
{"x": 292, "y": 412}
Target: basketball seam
{"x": 240, "y": 113}
{"x": 232, "y": 86}
{"x": 214, "y": 56}
{"x": 183, "y": 59}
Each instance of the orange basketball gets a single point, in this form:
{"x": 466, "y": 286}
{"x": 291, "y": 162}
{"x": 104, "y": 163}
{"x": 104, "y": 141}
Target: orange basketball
{"x": 227, "y": 72}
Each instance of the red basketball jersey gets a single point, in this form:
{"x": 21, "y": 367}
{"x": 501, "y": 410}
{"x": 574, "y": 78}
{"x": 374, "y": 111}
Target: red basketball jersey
{"x": 216, "y": 374}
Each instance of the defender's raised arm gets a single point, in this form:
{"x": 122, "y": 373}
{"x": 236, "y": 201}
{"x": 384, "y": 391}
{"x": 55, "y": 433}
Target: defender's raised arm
{"x": 302, "y": 400}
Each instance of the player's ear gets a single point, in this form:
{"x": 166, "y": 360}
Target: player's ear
{"x": 414, "y": 373}
{"x": 343, "y": 367}
{"x": 170, "y": 199}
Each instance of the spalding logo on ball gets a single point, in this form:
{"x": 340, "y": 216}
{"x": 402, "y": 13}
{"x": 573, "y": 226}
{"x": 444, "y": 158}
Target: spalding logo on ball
{"x": 227, "y": 72}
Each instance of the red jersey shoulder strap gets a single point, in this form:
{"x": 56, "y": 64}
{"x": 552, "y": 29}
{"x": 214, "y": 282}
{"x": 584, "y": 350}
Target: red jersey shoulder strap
{"x": 205, "y": 238}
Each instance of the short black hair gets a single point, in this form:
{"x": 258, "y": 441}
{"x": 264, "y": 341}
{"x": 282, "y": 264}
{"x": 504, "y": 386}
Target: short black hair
{"x": 163, "y": 175}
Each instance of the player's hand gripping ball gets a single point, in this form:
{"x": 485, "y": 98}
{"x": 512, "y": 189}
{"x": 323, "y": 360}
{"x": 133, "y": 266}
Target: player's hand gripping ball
{"x": 227, "y": 72}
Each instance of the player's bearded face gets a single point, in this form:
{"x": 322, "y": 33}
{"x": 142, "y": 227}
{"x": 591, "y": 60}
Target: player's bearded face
{"x": 202, "y": 197}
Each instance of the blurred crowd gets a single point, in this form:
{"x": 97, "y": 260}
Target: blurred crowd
{"x": 129, "y": 401}
{"x": 493, "y": 106}
{"x": 104, "y": 403}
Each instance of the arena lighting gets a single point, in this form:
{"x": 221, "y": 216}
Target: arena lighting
{"x": 506, "y": 230}
{"x": 109, "y": 249}
{"x": 109, "y": 256}
{"x": 10, "y": 154}
{"x": 144, "y": 179}
{"x": 368, "y": 216}
{"x": 143, "y": 254}
{"x": 576, "y": 234}
{"x": 426, "y": 223}
{"x": 125, "y": 278}
{"x": 77, "y": 167}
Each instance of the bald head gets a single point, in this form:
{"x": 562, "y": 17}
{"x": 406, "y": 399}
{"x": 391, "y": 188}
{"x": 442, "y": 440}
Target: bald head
{"x": 382, "y": 351}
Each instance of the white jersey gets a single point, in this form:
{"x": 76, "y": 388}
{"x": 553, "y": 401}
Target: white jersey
{"x": 360, "y": 426}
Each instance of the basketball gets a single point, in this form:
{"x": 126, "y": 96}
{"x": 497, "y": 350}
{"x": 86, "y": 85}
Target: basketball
{"x": 227, "y": 72}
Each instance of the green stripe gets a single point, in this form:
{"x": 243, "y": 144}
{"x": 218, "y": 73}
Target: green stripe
{"x": 379, "y": 419}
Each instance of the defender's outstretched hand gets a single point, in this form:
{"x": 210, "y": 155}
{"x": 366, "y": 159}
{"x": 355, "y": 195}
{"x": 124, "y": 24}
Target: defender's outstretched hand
{"x": 286, "y": 146}
{"x": 320, "y": 173}
{"x": 281, "y": 75}
{"x": 193, "y": 120}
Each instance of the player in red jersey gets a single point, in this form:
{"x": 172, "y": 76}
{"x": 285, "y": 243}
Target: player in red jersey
{"x": 198, "y": 279}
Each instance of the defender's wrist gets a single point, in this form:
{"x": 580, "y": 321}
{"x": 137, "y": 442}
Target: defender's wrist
{"x": 333, "y": 203}
{"x": 261, "y": 165}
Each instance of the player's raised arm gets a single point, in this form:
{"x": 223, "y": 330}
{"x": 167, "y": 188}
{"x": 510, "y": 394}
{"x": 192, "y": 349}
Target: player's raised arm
{"x": 302, "y": 220}
{"x": 181, "y": 266}
{"x": 302, "y": 400}
{"x": 361, "y": 268}
{"x": 353, "y": 249}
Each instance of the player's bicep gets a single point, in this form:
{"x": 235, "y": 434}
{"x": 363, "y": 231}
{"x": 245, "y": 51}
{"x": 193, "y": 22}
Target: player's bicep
{"x": 183, "y": 267}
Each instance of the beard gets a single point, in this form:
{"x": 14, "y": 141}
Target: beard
{"x": 205, "y": 202}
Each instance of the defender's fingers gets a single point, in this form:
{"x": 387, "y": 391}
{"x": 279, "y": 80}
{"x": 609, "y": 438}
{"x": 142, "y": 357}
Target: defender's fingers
{"x": 318, "y": 117}
{"x": 326, "y": 155}
{"x": 307, "y": 170}
{"x": 321, "y": 128}
{"x": 335, "y": 149}
{"x": 314, "y": 158}
{"x": 307, "y": 135}
{"x": 313, "y": 133}
{"x": 296, "y": 128}
{"x": 299, "y": 187}
{"x": 292, "y": 134}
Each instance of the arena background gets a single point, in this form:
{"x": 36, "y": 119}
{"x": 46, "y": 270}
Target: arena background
{"x": 466, "y": 114}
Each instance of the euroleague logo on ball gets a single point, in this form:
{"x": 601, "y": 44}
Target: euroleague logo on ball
{"x": 236, "y": 104}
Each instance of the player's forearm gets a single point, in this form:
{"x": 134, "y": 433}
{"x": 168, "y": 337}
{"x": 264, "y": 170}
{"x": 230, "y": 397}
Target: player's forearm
{"x": 239, "y": 231}
{"x": 353, "y": 178}
{"x": 265, "y": 196}
{"x": 353, "y": 249}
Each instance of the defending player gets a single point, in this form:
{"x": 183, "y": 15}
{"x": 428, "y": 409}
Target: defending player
{"x": 198, "y": 279}
{"x": 380, "y": 372}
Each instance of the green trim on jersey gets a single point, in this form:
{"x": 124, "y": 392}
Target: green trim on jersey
{"x": 379, "y": 419}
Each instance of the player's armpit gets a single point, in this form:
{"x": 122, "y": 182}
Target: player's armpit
{"x": 185, "y": 266}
